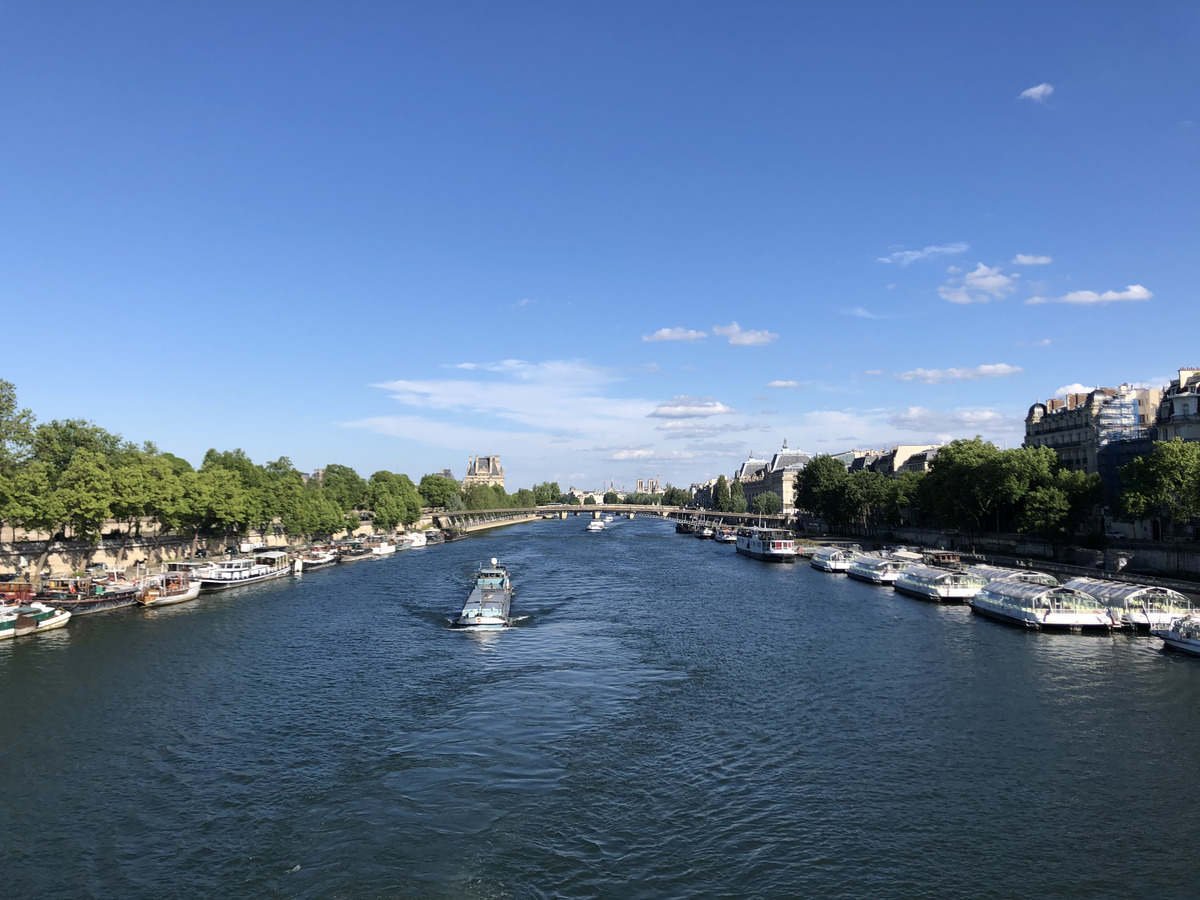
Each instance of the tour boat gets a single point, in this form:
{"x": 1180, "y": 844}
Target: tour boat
{"x": 595, "y": 525}
{"x": 26, "y": 618}
{"x": 942, "y": 585}
{"x": 877, "y": 569}
{"x": 770, "y": 544}
{"x": 1136, "y": 605}
{"x": 1027, "y": 575}
{"x": 834, "y": 559}
{"x": 81, "y": 596}
{"x": 168, "y": 588}
{"x": 1182, "y": 634}
{"x": 490, "y": 601}
{"x": 263, "y": 566}
{"x": 1040, "y": 606}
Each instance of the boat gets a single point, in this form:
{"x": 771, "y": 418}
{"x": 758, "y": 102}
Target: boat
{"x": 1040, "y": 606}
{"x": 265, "y": 565}
{"x": 1136, "y": 606}
{"x": 948, "y": 559}
{"x": 490, "y": 601}
{"x": 434, "y": 536}
{"x": 608, "y": 518}
{"x": 834, "y": 559}
{"x": 84, "y": 595}
{"x": 682, "y": 527}
{"x": 26, "y": 618}
{"x": 189, "y": 567}
{"x": 353, "y": 550}
{"x": 595, "y": 525}
{"x": 705, "y": 533}
{"x": 941, "y": 585}
{"x": 14, "y": 592}
{"x": 1027, "y": 575}
{"x": 316, "y": 558}
{"x": 168, "y": 588}
{"x": 454, "y": 534}
{"x": 770, "y": 544}
{"x": 877, "y": 569}
{"x": 726, "y": 536}
{"x": 413, "y": 541}
{"x": 381, "y": 546}
{"x": 1182, "y": 634}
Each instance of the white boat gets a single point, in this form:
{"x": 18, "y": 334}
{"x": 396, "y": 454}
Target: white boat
{"x": 705, "y": 533}
{"x": 770, "y": 544}
{"x": 725, "y": 536}
{"x": 26, "y": 618}
{"x": 381, "y": 547}
{"x": 490, "y": 601}
{"x": 1135, "y": 605}
{"x": 834, "y": 559}
{"x": 877, "y": 569}
{"x": 1182, "y": 634}
{"x": 413, "y": 541}
{"x": 1028, "y": 575}
{"x": 1040, "y": 606}
{"x": 608, "y": 518}
{"x": 316, "y": 558}
{"x": 595, "y": 525}
{"x": 168, "y": 588}
{"x": 263, "y": 566}
{"x": 940, "y": 585}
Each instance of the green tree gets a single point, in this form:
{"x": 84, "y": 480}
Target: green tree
{"x": 737, "y": 498}
{"x": 1165, "y": 481}
{"x": 611, "y": 497}
{"x": 823, "y": 488}
{"x": 721, "y": 495}
{"x": 589, "y": 500}
{"x": 346, "y": 488}
{"x": 479, "y": 496}
{"x": 394, "y": 500}
{"x": 524, "y": 499}
{"x": 766, "y": 504}
{"x": 547, "y": 493}
{"x": 967, "y": 484}
{"x": 674, "y": 496}
{"x": 436, "y": 490}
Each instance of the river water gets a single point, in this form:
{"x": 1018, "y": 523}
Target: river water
{"x": 669, "y": 720}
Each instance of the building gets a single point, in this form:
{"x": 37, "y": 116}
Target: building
{"x": 649, "y": 485}
{"x": 777, "y": 476}
{"x": 483, "y": 470}
{"x": 1079, "y": 425}
{"x": 1179, "y": 409}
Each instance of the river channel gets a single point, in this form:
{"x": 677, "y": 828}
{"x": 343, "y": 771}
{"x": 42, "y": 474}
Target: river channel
{"x": 668, "y": 720}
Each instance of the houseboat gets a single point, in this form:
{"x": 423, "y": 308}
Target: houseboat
{"x": 1026, "y": 575}
{"x": 316, "y": 558}
{"x": 1136, "y": 606}
{"x": 834, "y": 559}
{"x": 939, "y": 585}
{"x": 770, "y": 544}
{"x": 86, "y": 595}
{"x": 1041, "y": 606}
{"x": 265, "y": 565}
{"x": 168, "y": 588}
{"x": 489, "y": 604}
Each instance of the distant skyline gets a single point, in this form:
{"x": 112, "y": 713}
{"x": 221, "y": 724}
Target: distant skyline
{"x": 601, "y": 241}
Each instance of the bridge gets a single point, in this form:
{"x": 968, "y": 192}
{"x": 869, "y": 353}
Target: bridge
{"x": 480, "y": 519}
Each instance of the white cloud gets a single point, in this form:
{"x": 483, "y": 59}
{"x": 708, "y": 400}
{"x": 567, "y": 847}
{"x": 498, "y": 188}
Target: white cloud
{"x": 1029, "y": 259}
{"x": 740, "y": 338}
{"x": 960, "y": 421}
{"x": 1039, "y": 92}
{"x": 686, "y": 407}
{"x": 940, "y": 376}
{"x": 783, "y": 384}
{"x": 675, "y": 334}
{"x": 979, "y": 286}
{"x": 524, "y": 302}
{"x": 859, "y": 313}
{"x": 1075, "y": 388}
{"x": 873, "y": 372}
{"x": 1044, "y": 342}
{"x": 904, "y": 257}
{"x": 1133, "y": 292}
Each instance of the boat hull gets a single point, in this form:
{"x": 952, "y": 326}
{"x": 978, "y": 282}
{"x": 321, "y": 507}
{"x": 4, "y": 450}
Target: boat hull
{"x": 154, "y": 597}
{"x": 209, "y": 585}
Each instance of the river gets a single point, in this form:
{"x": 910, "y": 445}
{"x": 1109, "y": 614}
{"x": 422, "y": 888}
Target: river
{"x": 668, "y": 720}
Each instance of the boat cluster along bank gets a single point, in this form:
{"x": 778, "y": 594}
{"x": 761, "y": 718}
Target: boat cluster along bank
{"x": 1019, "y": 597}
{"x": 24, "y": 610}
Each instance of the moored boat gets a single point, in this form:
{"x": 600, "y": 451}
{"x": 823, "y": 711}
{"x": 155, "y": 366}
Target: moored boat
{"x": 1040, "y": 606}
{"x": 316, "y": 558}
{"x": 877, "y": 569}
{"x": 705, "y": 533}
{"x": 1182, "y": 634}
{"x": 413, "y": 541}
{"x": 940, "y": 585}
{"x": 265, "y": 565}
{"x": 381, "y": 546}
{"x": 1027, "y": 575}
{"x": 726, "y": 536}
{"x": 352, "y": 550}
{"x": 85, "y": 595}
{"x": 27, "y": 618}
{"x": 1136, "y": 606}
{"x": 168, "y": 588}
{"x": 489, "y": 604}
{"x": 834, "y": 559}
{"x": 769, "y": 544}
{"x": 434, "y": 536}
{"x": 14, "y": 592}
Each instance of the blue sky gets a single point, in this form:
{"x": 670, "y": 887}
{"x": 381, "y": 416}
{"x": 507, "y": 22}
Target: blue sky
{"x": 604, "y": 241}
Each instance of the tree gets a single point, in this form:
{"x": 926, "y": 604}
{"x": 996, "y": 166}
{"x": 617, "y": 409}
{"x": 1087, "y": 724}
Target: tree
{"x": 737, "y": 498}
{"x": 346, "y": 488}
{"x": 547, "y": 493}
{"x": 611, "y": 497}
{"x": 674, "y": 496}
{"x": 1165, "y": 480}
{"x": 589, "y": 500}
{"x": 766, "y": 504}
{"x": 16, "y": 431}
{"x": 823, "y": 488}
{"x": 394, "y": 499}
{"x": 721, "y": 495}
{"x": 967, "y": 483}
{"x": 524, "y": 499}
{"x": 436, "y": 490}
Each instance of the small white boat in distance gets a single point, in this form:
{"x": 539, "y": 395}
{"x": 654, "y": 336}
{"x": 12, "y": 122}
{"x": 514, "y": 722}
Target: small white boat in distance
{"x": 490, "y": 601}
{"x": 169, "y": 588}
{"x": 26, "y": 618}
{"x": 939, "y": 585}
{"x": 1040, "y": 606}
{"x": 769, "y": 544}
{"x": 1136, "y": 605}
{"x": 834, "y": 559}
{"x": 877, "y": 569}
{"x": 1182, "y": 634}
{"x": 595, "y": 525}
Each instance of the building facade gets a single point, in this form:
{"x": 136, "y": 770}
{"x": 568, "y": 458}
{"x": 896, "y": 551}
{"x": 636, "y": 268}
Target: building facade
{"x": 1179, "y": 409}
{"x": 483, "y": 470}
{"x": 1078, "y": 426}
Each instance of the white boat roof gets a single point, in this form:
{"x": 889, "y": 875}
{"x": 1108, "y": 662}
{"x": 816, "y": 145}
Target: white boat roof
{"x": 1121, "y": 592}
